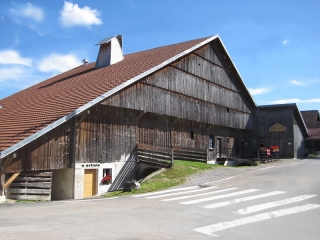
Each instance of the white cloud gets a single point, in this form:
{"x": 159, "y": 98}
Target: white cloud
{"x": 258, "y": 91}
{"x": 18, "y": 77}
{"x": 297, "y": 83}
{"x": 33, "y": 12}
{"x": 58, "y": 63}
{"x": 285, "y": 42}
{"x": 13, "y": 57}
{"x": 29, "y": 11}
{"x": 12, "y": 73}
{"x": 72, "y": 15}
{"x": 303, "y": 83}
{"x": 296, "y": 100}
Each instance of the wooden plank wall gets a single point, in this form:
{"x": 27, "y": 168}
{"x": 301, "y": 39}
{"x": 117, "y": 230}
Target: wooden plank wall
{"x": 107, "y": 135}
{"x": 193, "y": 88}
{"x": 50, "y": 151}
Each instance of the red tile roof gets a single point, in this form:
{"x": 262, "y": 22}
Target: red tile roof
{"x": 27, "y": 112}
{"x": 311, "y": 118}
{"x": 314, "y": 133}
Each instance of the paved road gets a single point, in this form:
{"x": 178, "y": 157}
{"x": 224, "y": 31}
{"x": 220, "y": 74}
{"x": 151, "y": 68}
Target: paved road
{"x": 279, "y": 200}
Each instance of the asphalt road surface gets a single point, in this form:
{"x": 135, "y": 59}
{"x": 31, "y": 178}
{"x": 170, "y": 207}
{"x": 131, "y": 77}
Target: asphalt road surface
{"x": 278, "y": 200}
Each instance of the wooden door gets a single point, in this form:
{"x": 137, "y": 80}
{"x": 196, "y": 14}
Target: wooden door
{"x": 90, "y": 182}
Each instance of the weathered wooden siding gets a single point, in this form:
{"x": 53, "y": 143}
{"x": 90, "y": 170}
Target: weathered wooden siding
{"x": 107, "y": 134}
{"x": 193, "y": 88}
{"x": 147, "y": 98}
{"x": 154, "y": 130}
{"x": 51, "y": 151}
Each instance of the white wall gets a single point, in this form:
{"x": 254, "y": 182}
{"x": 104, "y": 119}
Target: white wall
{"x": 62, "y": 184}
{"x": 79, "y": 177}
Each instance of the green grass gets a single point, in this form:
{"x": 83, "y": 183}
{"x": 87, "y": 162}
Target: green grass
{"x": 174, "y": 176}
{"x": 312, "y": 155}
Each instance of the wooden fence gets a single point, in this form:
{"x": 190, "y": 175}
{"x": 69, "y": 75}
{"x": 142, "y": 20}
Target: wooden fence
{"x": 190, "y": 154}
{"x": 31, "y": 186}
{"x": 155, "y": 156}
{"x": 163, "y": 157}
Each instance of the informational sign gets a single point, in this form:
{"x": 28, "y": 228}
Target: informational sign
{"x": 277, "y": 128}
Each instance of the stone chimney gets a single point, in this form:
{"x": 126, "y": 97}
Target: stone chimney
{"x": 110, "y": 51}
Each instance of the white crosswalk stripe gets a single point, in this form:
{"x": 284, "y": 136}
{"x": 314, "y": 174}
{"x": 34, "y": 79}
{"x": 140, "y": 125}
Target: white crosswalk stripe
{"x": 166, "y": 191}
{"x": 178, "y": 193}
{"x": 219, "y": 196}
{"x": 205, "y": 194}
{"x": 264, "y": 206}
{"x": 212, "y": 229}
{"x": 244, "y": 199}
{"x": 198, "y": 195}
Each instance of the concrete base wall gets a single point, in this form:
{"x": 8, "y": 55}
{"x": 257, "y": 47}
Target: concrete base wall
{"x": 62, "y": 184}
{"x": 2, "y": 199}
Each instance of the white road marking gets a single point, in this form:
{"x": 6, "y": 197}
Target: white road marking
{"x": 211, "y": 229}
{"x": 166, "y": 191}
{"x": 198, "y": 195}
{"x": 220, "y": 204}
{"x": 263, "y": 206}
{"x": 218, "y": 180}
{"x": 219, "y": 196}
{"x": 177, "y": 193}
{"x": 266, "y": 168}
{"x": 84, "y": 200}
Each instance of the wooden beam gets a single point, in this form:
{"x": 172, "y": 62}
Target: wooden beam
{"x": 10, "y": 180}
{"x": 83, "y": 116}
{"x": 140, "y": 116}
{"x": 174, "y": 122}
{"x": 210, "y": 126}
{"x": 1, "y": 184}
{"x": 5, "y": 164}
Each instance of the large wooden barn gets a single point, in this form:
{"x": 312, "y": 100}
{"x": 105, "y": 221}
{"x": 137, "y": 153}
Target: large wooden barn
{"x": 111, "y": 118}
{"x": 91, "y": 121}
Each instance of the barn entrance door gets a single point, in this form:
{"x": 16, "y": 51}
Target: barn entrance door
{"x": 90, "y": 183}
{"x": 218, "y": 147}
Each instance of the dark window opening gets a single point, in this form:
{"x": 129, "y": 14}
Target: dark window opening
{"x": 228, "y": 109}
{"x": 192, "y": 135}
{"x": 107, "y": 171}
{"x": 244, "y": 145}
{"x": 211, "y": 141}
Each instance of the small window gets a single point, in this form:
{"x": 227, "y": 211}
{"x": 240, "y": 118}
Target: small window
{"x": 192, "y": 135}
{"x": 107, "y": 171}
{"x": 211, "y": 141}
{"x": 289, "y": 143}
{"x": 228, "y": 110}
{"x": 227, "y": 140}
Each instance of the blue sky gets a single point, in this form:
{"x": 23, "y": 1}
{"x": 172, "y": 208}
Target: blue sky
{"x": 274, "y": 44}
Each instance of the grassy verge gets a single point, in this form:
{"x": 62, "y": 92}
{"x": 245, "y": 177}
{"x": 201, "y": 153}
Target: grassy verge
{"x": 169, "y": 178}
